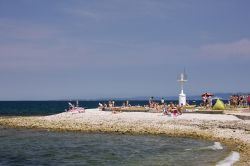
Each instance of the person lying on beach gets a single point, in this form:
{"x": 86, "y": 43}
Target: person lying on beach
{"x": 116, "y": 110}
{"x": 76, "y": 109}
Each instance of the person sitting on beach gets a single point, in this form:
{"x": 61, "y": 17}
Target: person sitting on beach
{"x": 110, "y": 105}
{"x": 173, "y": 109}
{"x": 165, "y": 109}
{"x": 205, "y": 100}
{"x": 127, "y": 104}
{"x": 158, "y": 107}
{"x": 150, "y": 101}
{"x": 209, "y": 102}
{"x": 104, "y": 106}
{"x": 171, "y": 106}
{"x": 71, "y": 106}
{"x": 100, "y": 106}
{"x": 179, "y": 109}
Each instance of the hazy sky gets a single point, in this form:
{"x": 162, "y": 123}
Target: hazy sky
{"x": 61, "y": 49}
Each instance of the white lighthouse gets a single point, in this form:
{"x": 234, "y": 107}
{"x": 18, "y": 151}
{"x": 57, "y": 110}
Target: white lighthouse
{"x": 182, "y": 79}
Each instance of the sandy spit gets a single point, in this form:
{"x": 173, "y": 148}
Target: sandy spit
{"x": 227, "y": 129}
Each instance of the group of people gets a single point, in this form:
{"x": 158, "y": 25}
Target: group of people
{"x": 239, "y": 100}
{"x": 170, "y": 109}
{"x": 234, "y": 100}
{"x": 75, "y": 108}
{"x": 155, "y": 105}
{"x": 173, "y": 109}
{"x": 104, "y": 106}
{"x": 110, "y": 106}
{"x": 207, "y": 100}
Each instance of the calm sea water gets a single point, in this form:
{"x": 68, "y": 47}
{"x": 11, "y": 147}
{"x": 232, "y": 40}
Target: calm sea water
{"x": 27, "y": 108}
{"x": 39, "y": 147}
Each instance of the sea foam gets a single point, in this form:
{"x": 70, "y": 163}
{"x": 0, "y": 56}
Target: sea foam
{"x": 230, "y": 160}
{"x": 216, "y": 146}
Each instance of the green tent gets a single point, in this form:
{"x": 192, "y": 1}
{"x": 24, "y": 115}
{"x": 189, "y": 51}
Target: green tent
{"x": 219, "y": 105}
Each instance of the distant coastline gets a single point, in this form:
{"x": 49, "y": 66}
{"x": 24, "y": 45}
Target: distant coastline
{"x": 224, "y": 96}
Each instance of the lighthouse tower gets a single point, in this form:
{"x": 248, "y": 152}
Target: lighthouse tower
{"x": 182, "y": 96}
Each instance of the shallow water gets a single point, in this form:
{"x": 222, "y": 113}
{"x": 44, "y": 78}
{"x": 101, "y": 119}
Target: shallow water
{"x": 39, "y": 147}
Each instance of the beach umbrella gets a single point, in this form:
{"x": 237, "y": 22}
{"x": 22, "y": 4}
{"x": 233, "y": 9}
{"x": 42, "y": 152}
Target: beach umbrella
{"x": 204, "y": 94}
{"x": 210, "y": 94}
{"x": 207, "y": 94}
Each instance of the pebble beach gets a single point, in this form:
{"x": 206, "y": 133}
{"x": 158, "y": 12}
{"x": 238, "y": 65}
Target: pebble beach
{"x": 227, "y": 129}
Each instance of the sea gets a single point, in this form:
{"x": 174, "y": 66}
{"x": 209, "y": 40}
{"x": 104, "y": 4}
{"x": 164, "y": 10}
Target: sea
{"x": 30, "y": 147}
{"x": 37, "y": 108}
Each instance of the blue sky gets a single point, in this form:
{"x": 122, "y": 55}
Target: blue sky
{"x": 64, "y": 49}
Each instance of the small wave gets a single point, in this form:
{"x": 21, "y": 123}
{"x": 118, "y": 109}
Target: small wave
{"x": 230, "y": 160}
{"x": 215, "y": 146}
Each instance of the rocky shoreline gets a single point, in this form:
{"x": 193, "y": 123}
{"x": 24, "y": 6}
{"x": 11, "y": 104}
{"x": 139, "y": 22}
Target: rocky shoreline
{"x": 227, "y": 129}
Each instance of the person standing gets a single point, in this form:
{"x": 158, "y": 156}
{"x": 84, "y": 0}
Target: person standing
{"x": 248, "y": 100}
{"x": 162, "y": 101}
{"x": 150, "y": 101}
{"x": 127, "y": 103}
